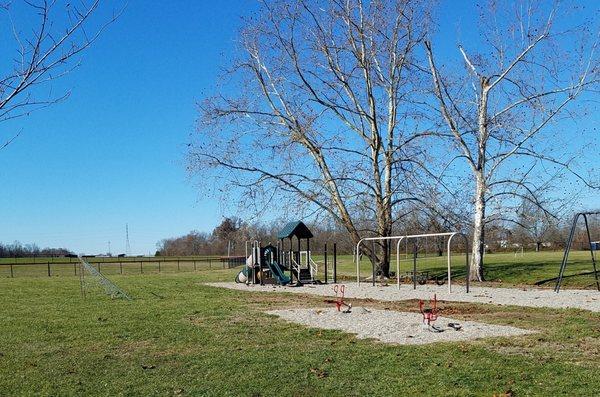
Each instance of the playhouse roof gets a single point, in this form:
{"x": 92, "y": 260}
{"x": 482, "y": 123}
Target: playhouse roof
{"x": 295, "y": 229}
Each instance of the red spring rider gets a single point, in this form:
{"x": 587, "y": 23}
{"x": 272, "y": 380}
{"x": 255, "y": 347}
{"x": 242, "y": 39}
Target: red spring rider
{"x": 429, "y": 314}
{"x": 339, "y": 298}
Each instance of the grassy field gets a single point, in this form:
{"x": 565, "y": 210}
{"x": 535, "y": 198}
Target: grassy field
{"x": 502, "y": 269}
{"x": 178, "y": 337}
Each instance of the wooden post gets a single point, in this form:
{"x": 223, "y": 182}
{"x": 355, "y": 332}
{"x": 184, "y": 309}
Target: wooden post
{"x": 194, "y": 265}
{"x": 141, "y": 267}
{"x": 177, "y": 264}
{"x": 11, "y": 271}
{"x": 159, "y": 266}
{"x": 121, "y": 267}
{"x": 74, "y": 267}
{"x": 49, "y": 269}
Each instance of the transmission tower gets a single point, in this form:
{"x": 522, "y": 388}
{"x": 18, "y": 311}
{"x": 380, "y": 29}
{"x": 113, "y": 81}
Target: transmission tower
{"x": 127, "y": 246}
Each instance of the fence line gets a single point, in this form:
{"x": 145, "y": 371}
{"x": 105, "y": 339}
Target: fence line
{"x": 117, "y": 265}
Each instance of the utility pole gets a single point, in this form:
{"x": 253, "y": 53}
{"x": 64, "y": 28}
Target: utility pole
{"x": 127, "y": 246}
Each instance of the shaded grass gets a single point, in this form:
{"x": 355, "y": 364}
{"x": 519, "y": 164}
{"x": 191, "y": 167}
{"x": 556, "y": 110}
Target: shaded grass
{"x": 506, "y": 268}
{"x": 178, "y": 337}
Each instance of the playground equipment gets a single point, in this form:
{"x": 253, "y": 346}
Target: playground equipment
{"x": 430, "y": 314}
{"x": 300, "y": 263}
{"x": 414, "y": 238}
{"x": 261, "y": 264}
{"x": 340, "y": 291}
{"x": 569, "y": 244}
{"x": 270, "y": 262}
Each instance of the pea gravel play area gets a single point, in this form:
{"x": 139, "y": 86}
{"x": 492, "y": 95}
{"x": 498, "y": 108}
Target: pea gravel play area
{"x": 394, "y": 327}
{"x": 526, "y": 297}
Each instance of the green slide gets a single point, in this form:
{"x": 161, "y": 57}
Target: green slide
{"x": 281, "y": 278}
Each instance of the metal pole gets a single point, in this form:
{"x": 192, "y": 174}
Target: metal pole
{"x": 373, "y": 260}
{"x": 335, "y": 263}
{"x": 262, "y": 278}
{"x": 325, "y": 259}
{"x": 563, "y": 264}
{"x": 415, "y": 265}
{"x": 591, "y": 251}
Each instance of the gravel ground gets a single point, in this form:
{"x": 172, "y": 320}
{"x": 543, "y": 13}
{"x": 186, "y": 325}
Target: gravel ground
{"x": 530, "y": 297}
{"x": 394, "y": 327}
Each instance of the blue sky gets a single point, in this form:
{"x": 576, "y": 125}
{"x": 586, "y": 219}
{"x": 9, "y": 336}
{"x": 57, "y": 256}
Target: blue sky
{"x": 114, "y": 152}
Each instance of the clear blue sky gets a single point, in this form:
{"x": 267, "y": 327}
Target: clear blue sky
{"x": 114, "y": 152}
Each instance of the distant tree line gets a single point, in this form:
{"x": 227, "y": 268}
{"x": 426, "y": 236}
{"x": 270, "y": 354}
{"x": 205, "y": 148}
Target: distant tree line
{"x": 535, "y": 231}
{"x": 18, "y": 250}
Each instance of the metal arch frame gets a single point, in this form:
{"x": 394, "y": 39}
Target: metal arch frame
{"x": 565, "y": 259}
{"x": 358, "y": 251}
{"x": 449, "y": 244}
{"x": 408, "y": 237}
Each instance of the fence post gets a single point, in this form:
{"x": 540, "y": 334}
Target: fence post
{"x": 74, "y": 267}
{"x": 141, "y": 267}
{"x": 49, "y": 269}
{"x": 177, "y": 264}
{"x": 11, "y": 271}
{"x": 209, "y": 263}
{"x": 159, "y": 266}
{"x": 121, "y": 267}
{"x": 194, "y": 265}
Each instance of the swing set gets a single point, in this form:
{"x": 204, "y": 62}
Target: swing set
{"x": 414, "y": 239}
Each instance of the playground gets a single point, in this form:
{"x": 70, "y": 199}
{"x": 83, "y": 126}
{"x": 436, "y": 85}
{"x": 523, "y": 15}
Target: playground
{"x": 280, "y": 325}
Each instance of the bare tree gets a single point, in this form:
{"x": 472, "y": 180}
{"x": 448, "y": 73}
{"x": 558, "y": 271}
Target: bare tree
{"x": 324, "y": 115}
{"x": 44, "y": 52}
{"x": 500, "y": 109}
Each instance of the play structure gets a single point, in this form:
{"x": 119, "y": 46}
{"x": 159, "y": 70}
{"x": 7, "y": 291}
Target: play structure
{"x": 592, "y": 245}
{"x": 413, "y": 249}
{"x": 292, "y": 255}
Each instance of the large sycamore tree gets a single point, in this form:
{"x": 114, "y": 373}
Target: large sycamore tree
{"x": 322, "y": 110}
{"x": 505, "y": 96}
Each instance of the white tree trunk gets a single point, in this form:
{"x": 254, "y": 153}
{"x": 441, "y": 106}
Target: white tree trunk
{"x": 478, "y": 242}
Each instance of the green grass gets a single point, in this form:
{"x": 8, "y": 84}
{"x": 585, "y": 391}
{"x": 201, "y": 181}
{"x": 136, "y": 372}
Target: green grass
{"x": 178, "y": 337}
{"x": 506, "y": 269}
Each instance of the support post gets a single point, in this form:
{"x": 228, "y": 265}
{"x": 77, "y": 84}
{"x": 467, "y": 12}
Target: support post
{"x": 325, "y": 259}
{"x": 12, "y": 275}
{"x": 373, "y": 260}
{"x": 335, "y": 263}
{"x": 415, "y": 265}
{"x": 589, "y": 236}
{"x": 49, "y": 269}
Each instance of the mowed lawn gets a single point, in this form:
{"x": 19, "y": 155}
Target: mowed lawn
{"x": 178, "y": 337}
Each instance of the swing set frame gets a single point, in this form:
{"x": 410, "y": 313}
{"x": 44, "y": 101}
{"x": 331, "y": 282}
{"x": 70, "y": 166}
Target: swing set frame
{"x": 569, "y": 244}
{"x": 406, "y": 238}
